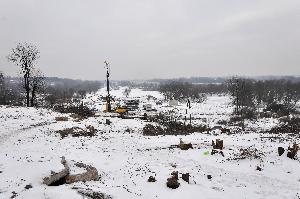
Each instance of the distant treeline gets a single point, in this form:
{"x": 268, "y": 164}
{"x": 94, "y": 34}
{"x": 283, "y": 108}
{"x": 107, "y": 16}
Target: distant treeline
{"x": 55, "y": 89}
{"x": 280, "y": 94}
{"x": 220, "y": 80}
{"x": 245, "y": 92}
{"x": 63, "y": 84}
{"x": 262, "y": 90}
{"x": 184, "y": 90}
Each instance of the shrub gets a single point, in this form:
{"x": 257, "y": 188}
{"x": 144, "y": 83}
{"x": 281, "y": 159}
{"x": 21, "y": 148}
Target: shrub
{"x": 248, "y": 113}
{"x": 288, "y": 126}
{"x": 280, "y": 109}
{"x": 82, "y": 111}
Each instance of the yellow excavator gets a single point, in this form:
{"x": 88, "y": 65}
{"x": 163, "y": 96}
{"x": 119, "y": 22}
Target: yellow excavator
{"x": 121, "y": 110}
{"x": 117, "y": 109}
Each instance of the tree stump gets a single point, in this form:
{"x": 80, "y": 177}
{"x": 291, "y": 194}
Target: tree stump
{"x": 186, "y": 177}
{"x": 218, "y": 144}
{"x": 173, "y": 182}
{"x": 151, "y": 179}
{"x": 292, "y": 151}
{"x": 280, "y": 151}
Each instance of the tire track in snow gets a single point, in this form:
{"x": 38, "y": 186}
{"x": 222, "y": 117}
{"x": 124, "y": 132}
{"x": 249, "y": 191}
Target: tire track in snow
{"x": 6, "y": 136}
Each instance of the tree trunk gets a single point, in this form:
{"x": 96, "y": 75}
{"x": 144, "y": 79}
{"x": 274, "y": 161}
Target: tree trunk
{"x": 33, "y": 93}
{"x": 26, "y": 79}
{"x": 32, "y": 97}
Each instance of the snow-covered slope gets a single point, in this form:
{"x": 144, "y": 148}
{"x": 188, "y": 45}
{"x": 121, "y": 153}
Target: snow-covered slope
{"x": 30, "y": 148}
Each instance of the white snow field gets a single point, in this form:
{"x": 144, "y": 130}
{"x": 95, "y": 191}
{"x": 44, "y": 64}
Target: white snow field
{"x": 30, "y": 148}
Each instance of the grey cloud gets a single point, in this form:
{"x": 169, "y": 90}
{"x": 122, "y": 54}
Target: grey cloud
{"x": 149, "y": 39}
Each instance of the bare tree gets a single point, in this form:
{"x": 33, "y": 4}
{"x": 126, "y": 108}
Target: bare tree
{"x": 82, "y": 93}
{"x": 127, "y": 92}
{"x": 182, "y": 91}
{"x": 25, "y": 55}
{"x": 233, "y": 89}
{"x": 242, "y": 93}
{"x": 37, "y": 84}
{"x": 2, "y": 89}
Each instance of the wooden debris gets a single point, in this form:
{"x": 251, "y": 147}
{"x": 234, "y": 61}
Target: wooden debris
{"x": 214, "y": 151}
{"x": 91, "y": 174}
{"x": 62, "y": 177}
{"x": 185, "y": 146}
{"x": 56, "y": 177}
{"x": 93, "y": 194}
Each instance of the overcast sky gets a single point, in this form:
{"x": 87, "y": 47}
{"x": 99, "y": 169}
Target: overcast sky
{"x": 154, "y": 38}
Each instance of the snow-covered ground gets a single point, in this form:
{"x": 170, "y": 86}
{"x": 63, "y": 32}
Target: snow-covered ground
{"x": 30, "y": 148}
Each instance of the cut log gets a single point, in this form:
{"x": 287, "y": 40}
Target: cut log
{"x": 91, "y": 174}
{"x": 57, "y": 177}
{"x": 62, "y": 177}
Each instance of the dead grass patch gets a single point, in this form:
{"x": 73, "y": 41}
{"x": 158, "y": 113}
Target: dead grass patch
{"x": 247, "y": 153}
{"x": 58, "y": 119}
{"x": 172, "y": 128}
{"x": 88, "y": 131}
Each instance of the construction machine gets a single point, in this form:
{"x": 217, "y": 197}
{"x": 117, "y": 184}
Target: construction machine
{"x": 118, "y": 109}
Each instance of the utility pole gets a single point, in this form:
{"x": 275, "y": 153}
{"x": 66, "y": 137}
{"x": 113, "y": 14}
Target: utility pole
{"x": 108, "y": 105}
